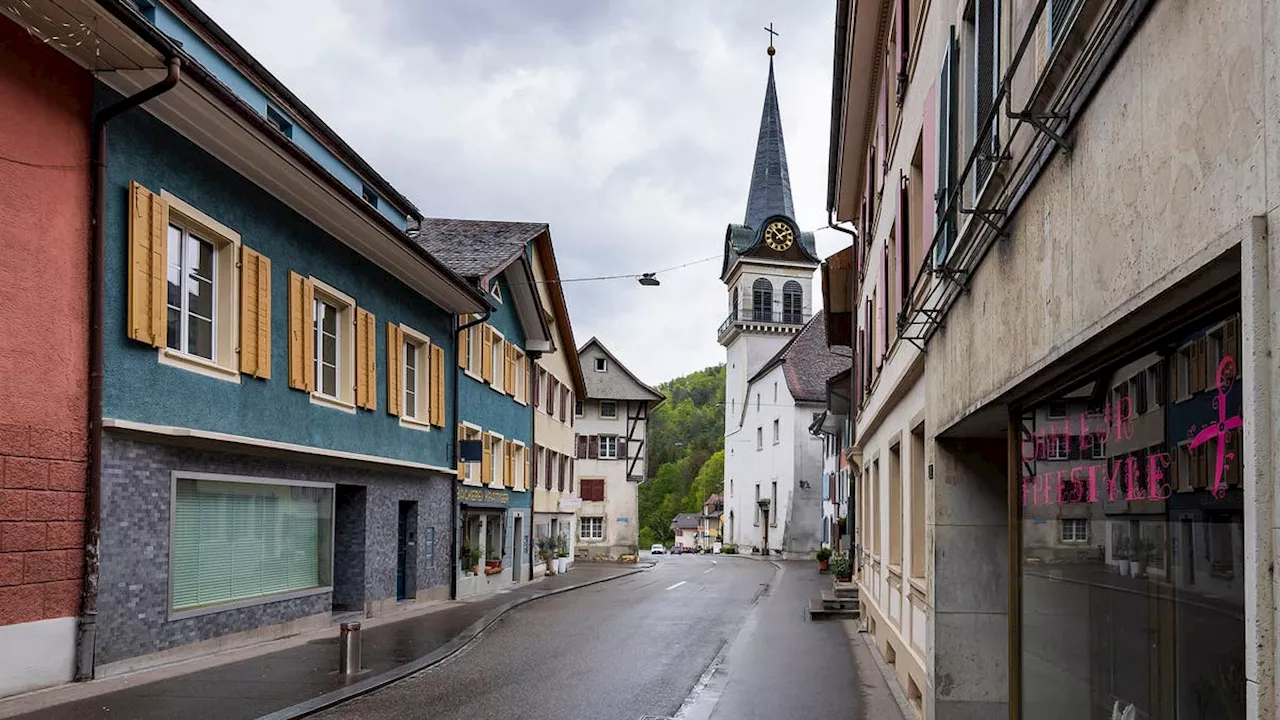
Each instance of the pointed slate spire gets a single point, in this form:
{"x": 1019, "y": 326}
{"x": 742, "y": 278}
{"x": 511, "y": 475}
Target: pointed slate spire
{"x": 770, "y": 183}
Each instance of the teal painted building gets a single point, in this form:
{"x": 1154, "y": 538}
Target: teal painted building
{"x": 494, "y": 366}
{"x": 279, "y": 387}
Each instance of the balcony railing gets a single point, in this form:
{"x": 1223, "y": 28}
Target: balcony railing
{"x": 763, "y": 315}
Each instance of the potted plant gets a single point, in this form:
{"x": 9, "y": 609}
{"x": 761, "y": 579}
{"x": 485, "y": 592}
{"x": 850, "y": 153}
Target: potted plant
{"x": 1121, "y": 552}
{"x": 493, "y": 563}
{"x": 823, "y": 555}
{"x": 562, "y": 553}
{"x": 475, "y": 560}
{"x": 843, "y": 524}
{"x": 547, "y": 553}
{"x": 464, "y": 559}
{"x": 842, "y": 568}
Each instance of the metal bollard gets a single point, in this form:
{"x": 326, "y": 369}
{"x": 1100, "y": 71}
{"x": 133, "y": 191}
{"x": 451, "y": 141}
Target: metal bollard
{"x": 349, "y": 649}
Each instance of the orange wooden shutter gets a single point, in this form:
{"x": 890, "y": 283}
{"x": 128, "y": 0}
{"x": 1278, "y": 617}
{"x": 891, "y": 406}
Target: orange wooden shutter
{"x": 302, "y": 338}
{"x": 486, "y": 353}
{"x": 437, "y": 386}
{"x": 255, "y": 314}
{"x": 395, "y": 370}
{"x": 148, "y": 266}
{"x": 486, "y": 459}
{"x": 366, "y": 360}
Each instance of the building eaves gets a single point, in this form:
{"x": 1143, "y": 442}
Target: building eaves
{"x": 551, "y": 270}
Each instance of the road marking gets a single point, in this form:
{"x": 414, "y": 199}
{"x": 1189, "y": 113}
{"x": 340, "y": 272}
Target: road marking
{"x": 673, "y": 587}
{"x": 713, "y": 562}
{"x": 704, "y": 572}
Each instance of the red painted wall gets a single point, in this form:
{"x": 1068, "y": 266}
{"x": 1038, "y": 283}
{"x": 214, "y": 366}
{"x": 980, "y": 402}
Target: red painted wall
{"x": 45, "y": 105}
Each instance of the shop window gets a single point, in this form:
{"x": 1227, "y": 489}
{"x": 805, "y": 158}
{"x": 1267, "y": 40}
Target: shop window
{"x": 1137, "y": 600}
{"x": 236, "y": 541}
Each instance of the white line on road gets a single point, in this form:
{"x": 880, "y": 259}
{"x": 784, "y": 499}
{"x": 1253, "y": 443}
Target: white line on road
{"x": 713, "y": 562}
{"x": 673, "y": 587}
{"x": 704, "y": 572}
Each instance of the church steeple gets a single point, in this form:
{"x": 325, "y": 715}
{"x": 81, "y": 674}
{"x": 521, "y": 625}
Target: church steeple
{"x": 770, "y": 182}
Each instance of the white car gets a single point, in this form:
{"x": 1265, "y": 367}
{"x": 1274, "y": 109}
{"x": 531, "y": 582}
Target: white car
{"x": 657, "y": 549}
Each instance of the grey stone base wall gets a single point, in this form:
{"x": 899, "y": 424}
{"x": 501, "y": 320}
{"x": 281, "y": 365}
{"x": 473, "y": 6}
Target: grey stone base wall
{"x": 133, "y": 594}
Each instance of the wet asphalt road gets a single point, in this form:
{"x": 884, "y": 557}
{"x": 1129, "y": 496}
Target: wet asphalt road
{"x": 615, "y": 651}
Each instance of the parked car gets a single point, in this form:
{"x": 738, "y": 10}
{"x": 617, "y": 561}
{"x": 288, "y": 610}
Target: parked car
{"x": 657, "y": 549}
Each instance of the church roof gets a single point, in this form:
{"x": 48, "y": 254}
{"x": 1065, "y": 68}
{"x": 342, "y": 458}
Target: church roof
{"x": 770, "y": 182}
{"x": 808, "y": 361}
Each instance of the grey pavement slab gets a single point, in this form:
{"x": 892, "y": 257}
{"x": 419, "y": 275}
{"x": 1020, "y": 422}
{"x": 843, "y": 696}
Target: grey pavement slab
{"x": 272, "y": 683}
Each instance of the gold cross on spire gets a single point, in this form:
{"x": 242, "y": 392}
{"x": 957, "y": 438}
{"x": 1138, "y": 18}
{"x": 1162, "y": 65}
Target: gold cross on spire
{"x": 772, "y": 34}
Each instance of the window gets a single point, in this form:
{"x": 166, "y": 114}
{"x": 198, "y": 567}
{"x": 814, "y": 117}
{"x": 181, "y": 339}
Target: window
{"x": 578, "y": 409}
{"x": 591, "y": 528}
{"x": 471, "y": 470}
{"x": 521, "y": 371}
{"x": 917, "y": 499}
{"x": 564, "y": 471}
{"x": 792, "y": 303}
{"x": 777, "y": 434}
{"x": 280, "y": 122}
{"x": 948, "y": 119}
{"x": 1058, "y": 410}
{"x": 984, "y": 84}
{"x": 601, "y": 365}
{"x": 499, "y": 354}
{"x": 496, "y": 292}
{"x": 757, "y": 505}
{"x": 762, "y": 300}
{"x": 775, "y": 393}
{"x": 773, "y": 505}
{"x": 757, "y": 402}
{"x": 192, "y": 273}
{"x": 759, "y": 438}
{"x": 411, "y": 393}
{"x": 497, "y": 465}
{"x": 328, "y": 340}
{"x": 1097, "y": 448}
{"x": 369, "y": 195}
{"x": 518, "y": 461}
{"x": 235, "y": 540}
{"x": 534, "y": 465}
{"x": 1058, "y": 447}
{"x": 1075, "y": 530}
{"x": 592, "y": 489}
{"x": 608, "y": 409}
{"x": 608, "y": 447}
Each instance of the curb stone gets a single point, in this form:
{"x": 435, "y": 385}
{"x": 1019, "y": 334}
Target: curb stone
{"x": 440, "y": 654}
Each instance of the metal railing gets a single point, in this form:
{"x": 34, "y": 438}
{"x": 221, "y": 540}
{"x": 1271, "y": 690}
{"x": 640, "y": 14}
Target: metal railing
{"x": 764, "y": 315}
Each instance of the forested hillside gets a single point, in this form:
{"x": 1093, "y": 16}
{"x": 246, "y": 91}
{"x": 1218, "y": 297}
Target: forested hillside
{"x": 686, "y": 452}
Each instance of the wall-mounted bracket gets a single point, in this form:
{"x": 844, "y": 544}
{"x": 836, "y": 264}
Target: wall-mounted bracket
{"x": 1039, "y": 122}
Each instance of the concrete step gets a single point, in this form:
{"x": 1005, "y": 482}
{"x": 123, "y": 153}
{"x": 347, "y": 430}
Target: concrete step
{"x": 831, "y": 601}
{"x": 845, "y": 589}
{"x": 819, "y": 611}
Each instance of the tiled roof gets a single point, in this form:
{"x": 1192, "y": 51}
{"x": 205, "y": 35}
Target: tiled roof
{"x": 808, "y": 362}
{"x": 617, "y": 382}
{"x": 475, "y": 248}
{"x": 686, "y": 521}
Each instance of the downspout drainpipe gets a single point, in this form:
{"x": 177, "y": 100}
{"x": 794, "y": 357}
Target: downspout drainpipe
{"x": 86, "y": 631}
{"x": 853, "y": 241}
{"x": 457, "y": 450}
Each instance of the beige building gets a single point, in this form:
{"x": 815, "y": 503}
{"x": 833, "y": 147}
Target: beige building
{"x": 612, "y": 453}
{"x": 557, "y": 387}
{"x": 1063, "y": 306}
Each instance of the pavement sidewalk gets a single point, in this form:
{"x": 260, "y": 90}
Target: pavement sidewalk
{"x": 302, "y": 677}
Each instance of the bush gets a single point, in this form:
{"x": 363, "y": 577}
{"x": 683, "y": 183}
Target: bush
{"x": 728, "y": 549}
{"x": 823, "y": 555}
{"x": 841, "y": 567}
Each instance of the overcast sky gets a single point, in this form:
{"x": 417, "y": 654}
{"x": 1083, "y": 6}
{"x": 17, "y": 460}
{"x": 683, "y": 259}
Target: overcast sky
{"x": 627, "y": 125}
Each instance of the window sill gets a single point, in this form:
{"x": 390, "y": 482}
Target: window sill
{"x": 336, "y": 404}
{"x": 918, "y": 587}
{"x": 247, "y": 602}
{"x": 521, "y": 402}
{"x": 896, "y": 571}
{"x": 412, "y": 424}
{"x": 473, "y": 376}
{"x": 198, "y": 365}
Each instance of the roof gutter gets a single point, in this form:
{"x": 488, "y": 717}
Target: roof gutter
{"x": 86, "y": 631}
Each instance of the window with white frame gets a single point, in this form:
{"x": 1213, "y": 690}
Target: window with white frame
{"x": 608, "y": 409}
{"x": 411, "y": 376}
{"x": 1098, "y": 448}
{"x": 608, "y": 447}
{"x": 202, "y": 303}
{"x": 777, "y": 432}
{"x": 471, "y": 470}
{"x": 591, "y": 528}
{"x": 235, "y": 539}
{"x": 1057, "y": 447}
{"x": 415, "y": 376}
{"x": 601, "y": 365}
{"x": 497, "y": 464}
{"x": 521, "y": 376}
{"x": 1075, "y": 530}
{"x": 475, "y": 341}
{"x": 518, "y": 466}
{"x": 329, "y": 332}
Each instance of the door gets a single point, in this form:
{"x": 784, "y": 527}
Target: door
{"x": 407, "y": 551}
{"x": 517, "y": 548}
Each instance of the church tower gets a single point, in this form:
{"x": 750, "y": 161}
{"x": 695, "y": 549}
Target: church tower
{"x": 768, "y": 265}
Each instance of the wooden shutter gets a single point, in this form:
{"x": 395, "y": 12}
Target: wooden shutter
{"x": 624, "y": 447}
{"x": 464, "y": 341}
{"x": 882, "y": 127}
{"x": 571, "y": 471}
{"x": 486, "y": 353}
{"x": 148, "y": 266}
{"x": 302, "y": 337}
{"x": 928, "y": 170}
{"x": 509, "y": 376}
{"x": 862, "y": 370}
{"x": 561, "y": 465}
{"x": 535, "y": 458}
{"x": 457, "y": 451}
{"x": 882, "y": 297}
{"x": 437, "y": 386}
{"x": 564, "y": 401}
{"x": 553, "y": 389}
{"x": 486, "y": 459}
{"x": 903, "y": 23}
{"x": 366, "y": 360}
{"x": 509, "y": 470}
{"x": 593, "y": 447}
{"x": 904, "y": 241}
{"x": 948, "y": 117}
{"x": 549, "y": 457}
{"x": 255, "y": 314}
{"x": 395, "y": 370}
{"x": 580, "y": 442}
{"x": 537, "y": 386}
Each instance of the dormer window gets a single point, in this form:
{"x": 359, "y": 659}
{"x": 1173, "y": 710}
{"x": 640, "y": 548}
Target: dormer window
{"x": 369, "y": 195}
{"x": 280, "y": 122}
{"x": 601, "y": 365}
{"x": 496, "y": 292}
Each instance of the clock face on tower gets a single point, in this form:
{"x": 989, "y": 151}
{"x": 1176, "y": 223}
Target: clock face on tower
{"x": 778, "y": 235}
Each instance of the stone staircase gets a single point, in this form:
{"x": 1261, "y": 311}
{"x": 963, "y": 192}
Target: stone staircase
{"x": 840, "y": 602}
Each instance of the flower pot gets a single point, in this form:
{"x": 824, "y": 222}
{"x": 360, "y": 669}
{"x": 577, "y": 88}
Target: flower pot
{"x": 1137, "y": 568}
{"x": 1123, "y": 567}
{"x": 822, "y": 565}
{"x": 561, "y": 564}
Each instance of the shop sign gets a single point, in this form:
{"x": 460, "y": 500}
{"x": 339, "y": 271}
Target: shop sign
{"x": 571, "y": 504}
{"x": 483, "y": 495}
{"x": 1123, "y": 478}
